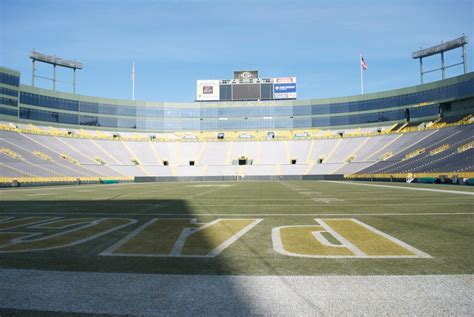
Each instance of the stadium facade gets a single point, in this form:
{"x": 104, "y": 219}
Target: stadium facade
{"x": 27, "y": 104}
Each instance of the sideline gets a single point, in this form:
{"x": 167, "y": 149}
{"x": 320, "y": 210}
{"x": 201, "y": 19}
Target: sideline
{"x": 194, "y": 215}
{"x": 84, "y": 186}
{"x": 62, "y": 187}
{"x": 407, "y": 188}
{"x": 152, "y": 294}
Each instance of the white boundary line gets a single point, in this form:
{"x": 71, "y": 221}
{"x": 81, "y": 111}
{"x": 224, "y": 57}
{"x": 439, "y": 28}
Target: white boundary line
{"x": 187, "y": 216}
{"x": 197, "y": 204}
{"x": 327, "y": 200}
{"x": 406, "y": 188}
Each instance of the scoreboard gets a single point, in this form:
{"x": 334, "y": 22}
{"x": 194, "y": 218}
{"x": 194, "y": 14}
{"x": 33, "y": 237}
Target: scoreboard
{"x": 246, "y": 86}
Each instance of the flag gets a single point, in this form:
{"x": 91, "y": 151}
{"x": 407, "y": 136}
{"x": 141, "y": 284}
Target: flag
{"x": 133, "y": 71}
{"x": 363, "y": 64}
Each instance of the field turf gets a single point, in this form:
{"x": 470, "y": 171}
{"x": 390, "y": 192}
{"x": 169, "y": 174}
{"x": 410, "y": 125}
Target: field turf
{"x": 438, "y": 223}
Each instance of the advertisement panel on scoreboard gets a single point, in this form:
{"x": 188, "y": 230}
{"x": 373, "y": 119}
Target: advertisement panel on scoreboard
{"x": 284, "y": 88}
{"x": 284, "y": 80}
{"x": 207, "y": 90}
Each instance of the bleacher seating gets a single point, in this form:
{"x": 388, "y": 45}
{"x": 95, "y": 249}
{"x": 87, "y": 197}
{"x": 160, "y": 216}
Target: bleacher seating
{"x": 31, "y": 151}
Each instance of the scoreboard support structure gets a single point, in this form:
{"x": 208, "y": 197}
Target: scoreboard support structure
{"x": 440, "y": 49}
{"x": 55, "y": 61}
{"x": 246, "y": 86}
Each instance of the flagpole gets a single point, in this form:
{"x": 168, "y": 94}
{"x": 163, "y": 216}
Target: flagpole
{"x": 133, "y": 80}
{"x": 361, "y": 75}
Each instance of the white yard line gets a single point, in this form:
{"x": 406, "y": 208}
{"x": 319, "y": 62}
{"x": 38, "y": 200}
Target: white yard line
{"x": 193, "y": 215}
{"x": 196, "y": 204}
{"x": 205, "y": 192}
{"x": 406, "y": 188}
{"x": 167, "y": 204}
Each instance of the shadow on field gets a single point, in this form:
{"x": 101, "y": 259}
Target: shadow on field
{"x": 107, "y": 207}
{"x": 85, "y": 256}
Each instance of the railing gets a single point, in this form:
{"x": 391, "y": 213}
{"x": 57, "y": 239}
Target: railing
{"x": 62, "y": 180}
{"x": 410, "y": 175}
{"x": 258, "y": 135}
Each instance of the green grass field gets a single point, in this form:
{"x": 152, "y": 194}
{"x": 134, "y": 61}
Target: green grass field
{"x": 437, "y": 223}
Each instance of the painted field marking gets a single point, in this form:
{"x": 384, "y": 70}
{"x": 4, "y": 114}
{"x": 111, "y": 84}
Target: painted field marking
{"x": 14, "y": 242}
{"x": 158, "y": 205}
{"x": 2, "y": 219}
{"x": 313, "y": 205}
{"x": 14, "y": 223}
{"x": 259, "y": 195}
{"x": 181, "y": 237}
{"x": 156, "y": 191}
{"x": 247, "y": 198}
{"x": 393, "y": 239}
{"x": 326, "y": 200}
{"x": 42, "y": 194}
{"x": 357, "y": 240}
{"x": 63, "y": 223}
{"x": 250, "y": 199}
{"x": 310, "y": 193}
{"x": 406, "y": 188}
{"x": 204, "y": 192}
{"x": 209, "y": 185}
{"x": 303, "y": 239}
{"x": 246, "y": 215}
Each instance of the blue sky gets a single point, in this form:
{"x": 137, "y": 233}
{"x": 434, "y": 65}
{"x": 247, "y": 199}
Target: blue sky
{"x": 174, "y": 43}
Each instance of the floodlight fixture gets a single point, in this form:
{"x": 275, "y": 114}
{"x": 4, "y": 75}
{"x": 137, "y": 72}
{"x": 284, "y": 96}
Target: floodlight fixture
{"x": 55, "y": 61}
{"x": 440, "y": 49}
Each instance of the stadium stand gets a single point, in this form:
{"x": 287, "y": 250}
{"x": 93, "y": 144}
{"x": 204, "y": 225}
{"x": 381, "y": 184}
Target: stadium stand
{"x": 50, "y": 136}
{"x": 448, "y": 149}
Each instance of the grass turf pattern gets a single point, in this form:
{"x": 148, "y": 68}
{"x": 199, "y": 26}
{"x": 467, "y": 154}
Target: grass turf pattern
{"x": 438, "y": 223}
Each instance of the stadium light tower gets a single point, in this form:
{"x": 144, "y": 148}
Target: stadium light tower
{"x": 440, "y": 49}
{"x": 55, "y": 61}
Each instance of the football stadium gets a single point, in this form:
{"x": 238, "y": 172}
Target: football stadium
{"x": 245, "y": 201}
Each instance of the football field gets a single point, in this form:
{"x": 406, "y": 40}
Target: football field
{"x": 353, "y": 234}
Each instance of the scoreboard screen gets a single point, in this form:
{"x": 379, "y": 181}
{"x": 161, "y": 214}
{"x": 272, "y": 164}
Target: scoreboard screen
{"x": 246, "y": 86}
{"x": 246, "y": 92}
